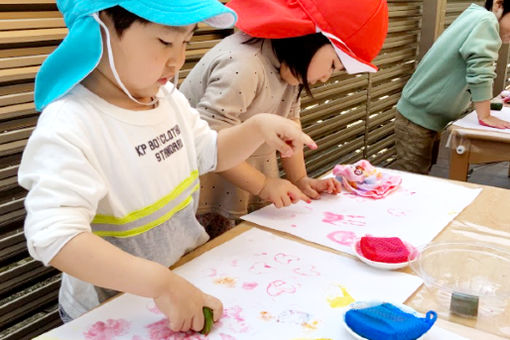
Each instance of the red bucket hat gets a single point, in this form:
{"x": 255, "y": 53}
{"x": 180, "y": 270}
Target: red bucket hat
{"x": 356, "y": 28}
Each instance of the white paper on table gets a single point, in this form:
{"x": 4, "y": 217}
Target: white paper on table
{"x": 416, "y": 213}
{"x": 470, "y": 120}
{"x": 271, "y": 288}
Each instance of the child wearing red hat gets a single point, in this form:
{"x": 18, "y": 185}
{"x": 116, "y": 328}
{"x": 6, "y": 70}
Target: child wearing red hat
{"x": 457, "y": 70}
{"x": 282, "y": 47}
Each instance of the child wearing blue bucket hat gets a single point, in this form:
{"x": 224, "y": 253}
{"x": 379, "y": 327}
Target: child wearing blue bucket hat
{"x": 112, "y": 167}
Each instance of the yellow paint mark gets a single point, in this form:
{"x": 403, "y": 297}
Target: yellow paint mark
{"x": 310, "y": 325}
{"x": 341, "y": 301}
{"x": 452, "y": 212}
{"x": 265, "y": 316}
{"x": 226, "y": 281}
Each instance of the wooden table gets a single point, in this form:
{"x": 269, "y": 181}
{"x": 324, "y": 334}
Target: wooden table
{"x": 472, "y": 146}
{"x": 486, "y": 219}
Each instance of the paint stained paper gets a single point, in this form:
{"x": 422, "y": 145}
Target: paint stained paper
{"x": 416, "y": 213}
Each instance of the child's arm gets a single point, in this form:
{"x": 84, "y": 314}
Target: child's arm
{"x": 295, "y": 170}
{"x": 483, "y": 111}
{"x": 278, "y": 191}
{"x": 237, "y": 143}
{"x": 110, "y": 267}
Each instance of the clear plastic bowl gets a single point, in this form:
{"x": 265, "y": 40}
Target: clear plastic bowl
{"x": 470, "y": 273}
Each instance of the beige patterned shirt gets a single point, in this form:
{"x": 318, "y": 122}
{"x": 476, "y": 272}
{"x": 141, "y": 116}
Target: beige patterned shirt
{"x": 231, "y": 83}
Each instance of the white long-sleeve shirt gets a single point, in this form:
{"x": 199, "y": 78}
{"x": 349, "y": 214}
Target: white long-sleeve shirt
{"x": 130, "y": 177}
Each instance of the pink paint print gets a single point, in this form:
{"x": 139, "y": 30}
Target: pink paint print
{"x": 397, "y": 212}
{"x": 280, "y": 287}
{"x": 285, "y": 258}
{"x": 233, "y": 321}
{"x": 309, "y": 270}
{"x": 250, "y": 285}
{"x": 154, "y": 309}
{"x": 160, "y": 330}
{"x": 339, "y": 219}
{"x": 226, "y": 337}
{"x": 108, "y": 330}
{"x": 345, "y": 238}
{"x": 260, "y": 268}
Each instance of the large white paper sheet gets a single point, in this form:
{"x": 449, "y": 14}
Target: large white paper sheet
{"x": 470, "y": 120}
{"x": 271, "y": 288}
{"x": 416, "y": 213}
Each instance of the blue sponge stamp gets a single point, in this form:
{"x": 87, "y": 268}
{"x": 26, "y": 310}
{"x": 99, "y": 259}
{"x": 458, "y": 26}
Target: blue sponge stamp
{"x": 389, "y": 322}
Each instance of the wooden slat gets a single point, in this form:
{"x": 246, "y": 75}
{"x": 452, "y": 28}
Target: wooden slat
{"x": 38, "y": 324}
{"x": 23, "y": 276}
{"x": 32, "y": 301}
{"x": 33, "y": 35}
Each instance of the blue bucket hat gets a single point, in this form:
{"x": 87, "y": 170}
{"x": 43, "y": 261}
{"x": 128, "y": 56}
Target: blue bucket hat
{"x": 80, "y": 51}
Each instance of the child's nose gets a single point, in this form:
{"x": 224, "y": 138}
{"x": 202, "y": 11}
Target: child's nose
{"x": 177, "y": 59}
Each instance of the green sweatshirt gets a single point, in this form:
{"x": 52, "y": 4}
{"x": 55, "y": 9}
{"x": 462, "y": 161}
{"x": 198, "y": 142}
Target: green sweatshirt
{"x": 458, "y": 68}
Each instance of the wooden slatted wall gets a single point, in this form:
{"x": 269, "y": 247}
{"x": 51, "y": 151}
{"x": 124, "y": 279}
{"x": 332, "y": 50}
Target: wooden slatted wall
{"x": 455, "y": 7}
{"x": 350, "y": 117}
{"x": 29, "y": 31}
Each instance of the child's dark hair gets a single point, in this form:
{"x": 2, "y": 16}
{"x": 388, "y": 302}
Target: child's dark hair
{"x": 297, "y": 53}
{"x": 122, "y": 18}
{"x": 506, "y": 5}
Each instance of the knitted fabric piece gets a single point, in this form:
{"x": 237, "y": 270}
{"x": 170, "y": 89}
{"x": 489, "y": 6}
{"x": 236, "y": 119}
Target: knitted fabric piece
{"x": 362, "y": 179}
{"x": 388, "y": 322}
{"x": 384, "y": 249}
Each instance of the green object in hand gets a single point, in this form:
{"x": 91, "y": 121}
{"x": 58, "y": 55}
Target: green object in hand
{"x": 208, "y": 320}
{"x": 496, "y": 106}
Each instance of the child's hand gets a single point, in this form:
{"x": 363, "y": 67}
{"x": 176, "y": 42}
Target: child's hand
{"x": 314, "y": 187}
{"x": 282, "y": 134}
{"x": 494, "y": 122}
{"x": 281, "y": 192}
{"x": 182, "y": 303}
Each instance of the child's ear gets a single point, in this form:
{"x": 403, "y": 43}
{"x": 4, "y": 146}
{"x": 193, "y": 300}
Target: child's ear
{"x": 497, "y": 8}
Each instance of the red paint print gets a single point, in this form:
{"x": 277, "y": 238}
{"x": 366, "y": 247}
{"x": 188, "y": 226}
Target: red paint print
{"x": 279, "y": 287}
{"x": 108, "y": 330}
{"x": 345, "y": 238}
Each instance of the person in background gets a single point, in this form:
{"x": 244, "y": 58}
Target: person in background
{"x": 282, "y": 47}
{"x": 112, "y": 167}
{"x": 458, "y": 69}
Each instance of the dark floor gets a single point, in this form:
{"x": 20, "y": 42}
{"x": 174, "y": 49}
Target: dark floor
{"x": 494, "y": 174}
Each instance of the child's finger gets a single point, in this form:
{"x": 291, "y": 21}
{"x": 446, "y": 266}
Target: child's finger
{"x": 301, "y": 196}
{"x": 286, "y": 200}
{"x": 308, "y": 141}
{"x": 312, "y": 193}
{"x": 176, "y": 323}
{"x": 198, "y": 322}
{"x": 215, "y": 305}
{"x": 338, "y": 186}
{"x": 283, "y": 148}
{"x": 186, "y": 325}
